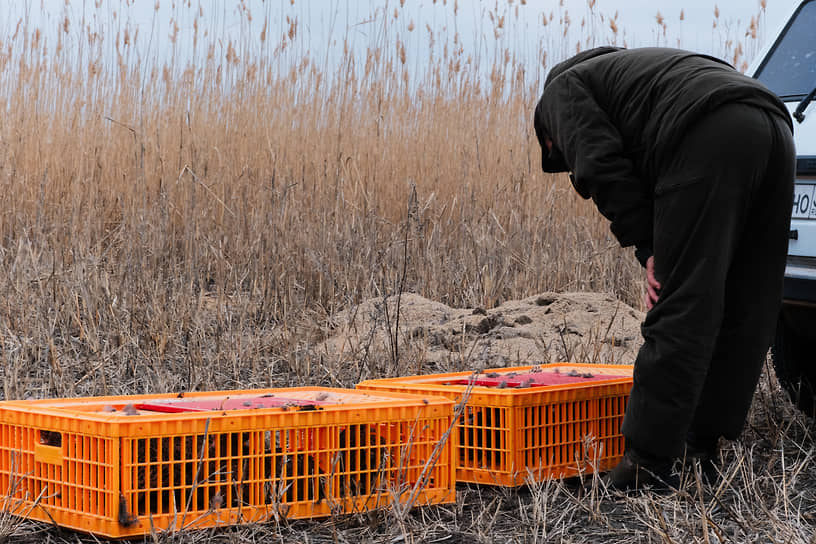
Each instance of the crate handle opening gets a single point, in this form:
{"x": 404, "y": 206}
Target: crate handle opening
{"x": 48, "y": 448}
{"x": 51, "y": 438}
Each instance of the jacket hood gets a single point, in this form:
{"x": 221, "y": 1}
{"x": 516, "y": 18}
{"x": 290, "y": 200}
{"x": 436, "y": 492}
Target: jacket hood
{"x": 553, "y": 160}
{"x": 563, "y": 66}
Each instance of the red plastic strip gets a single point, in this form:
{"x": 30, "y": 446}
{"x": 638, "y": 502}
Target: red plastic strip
{"x": 209, "y": 404}
{"x": 534, "y": 379}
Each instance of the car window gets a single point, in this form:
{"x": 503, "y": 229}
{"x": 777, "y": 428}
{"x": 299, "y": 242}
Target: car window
{"x": 790, "y": 68}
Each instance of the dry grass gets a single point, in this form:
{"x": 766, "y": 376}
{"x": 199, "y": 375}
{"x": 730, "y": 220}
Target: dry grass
{"x": 195, "y": 225}
{"x": 167, "y": 230}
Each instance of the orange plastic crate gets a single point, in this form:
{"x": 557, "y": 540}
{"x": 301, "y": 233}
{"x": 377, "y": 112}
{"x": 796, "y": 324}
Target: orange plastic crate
{"x": 547, "y": 421}
{"x": 117, "y": 466}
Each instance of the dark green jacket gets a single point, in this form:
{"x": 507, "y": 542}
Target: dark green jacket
{"x": 615, "y": 115}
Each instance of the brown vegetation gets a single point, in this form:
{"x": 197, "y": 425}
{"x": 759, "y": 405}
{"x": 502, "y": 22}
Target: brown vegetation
{"x": 197, "y": 225}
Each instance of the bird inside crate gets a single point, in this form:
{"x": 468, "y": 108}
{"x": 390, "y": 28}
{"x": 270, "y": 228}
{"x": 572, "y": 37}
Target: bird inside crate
{"x": 480, "y": 437}
{"x": 190, "y": 473}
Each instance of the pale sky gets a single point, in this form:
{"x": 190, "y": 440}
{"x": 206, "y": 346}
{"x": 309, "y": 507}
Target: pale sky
{"x": 323, "y": 24}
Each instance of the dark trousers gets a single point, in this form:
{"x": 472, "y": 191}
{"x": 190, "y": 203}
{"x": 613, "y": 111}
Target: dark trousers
{"x": 722, "y": 209}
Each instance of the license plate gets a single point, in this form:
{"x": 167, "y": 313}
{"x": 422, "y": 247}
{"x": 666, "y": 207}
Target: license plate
{"x": 804, "y": 201}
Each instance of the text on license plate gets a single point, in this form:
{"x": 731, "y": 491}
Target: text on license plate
{"x": 804, "y": 201}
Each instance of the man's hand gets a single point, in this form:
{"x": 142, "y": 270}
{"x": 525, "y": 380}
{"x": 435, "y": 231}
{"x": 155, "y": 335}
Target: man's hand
{"x": 652, "y": 285}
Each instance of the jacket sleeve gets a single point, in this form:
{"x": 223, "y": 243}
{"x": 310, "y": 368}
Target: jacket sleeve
{"x": 593, "y": 148}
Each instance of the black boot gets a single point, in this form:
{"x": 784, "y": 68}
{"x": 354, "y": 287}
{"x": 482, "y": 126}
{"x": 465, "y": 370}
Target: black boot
{"x": 638, "y": 470}
{"x": 704, "y": 452}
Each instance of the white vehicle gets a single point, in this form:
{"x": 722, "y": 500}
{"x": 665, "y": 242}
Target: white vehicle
{"x": 788, "y": 67}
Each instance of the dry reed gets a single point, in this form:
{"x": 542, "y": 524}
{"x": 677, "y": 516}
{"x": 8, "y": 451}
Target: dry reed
{"x": 173, "y": 226}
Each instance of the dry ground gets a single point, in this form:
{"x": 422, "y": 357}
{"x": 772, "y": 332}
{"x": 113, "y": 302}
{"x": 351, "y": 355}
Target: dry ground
{"x": 434, "y": 337}
{"x": 767, "y": 492}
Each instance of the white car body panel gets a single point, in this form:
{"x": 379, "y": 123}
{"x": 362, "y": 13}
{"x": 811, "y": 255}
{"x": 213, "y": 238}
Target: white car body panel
{"x": 803, "y": 229}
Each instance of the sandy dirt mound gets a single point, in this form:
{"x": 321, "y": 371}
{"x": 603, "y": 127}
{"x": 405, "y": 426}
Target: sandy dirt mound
{"x": 550, "y": 327}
